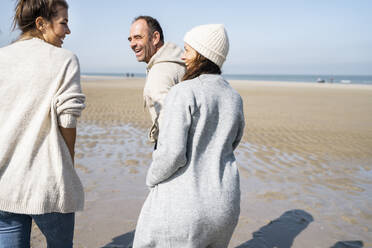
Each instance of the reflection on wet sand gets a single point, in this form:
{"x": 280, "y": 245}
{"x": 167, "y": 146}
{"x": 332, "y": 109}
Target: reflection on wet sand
{"x": 266, "y": 179}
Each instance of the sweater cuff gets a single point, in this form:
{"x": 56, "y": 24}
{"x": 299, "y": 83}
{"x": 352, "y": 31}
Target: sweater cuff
{"x": 67, "y": 121}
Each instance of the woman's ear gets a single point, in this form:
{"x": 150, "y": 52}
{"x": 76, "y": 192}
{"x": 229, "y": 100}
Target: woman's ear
{"x": 40, "y": 24}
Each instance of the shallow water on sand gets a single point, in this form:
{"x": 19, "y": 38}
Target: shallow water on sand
{"x": 338, "y": 194}
{"x": 107, "y": 155}
{"x": 112, "y": 162}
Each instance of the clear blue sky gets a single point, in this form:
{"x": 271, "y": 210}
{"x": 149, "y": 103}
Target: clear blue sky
{"x": 266, "y": 37}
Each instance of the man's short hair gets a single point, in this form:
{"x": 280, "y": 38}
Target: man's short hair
{"x": 153, "y": 25}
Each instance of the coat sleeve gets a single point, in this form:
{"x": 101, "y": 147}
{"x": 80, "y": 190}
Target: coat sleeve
{"x": 170, "y": 154}
{"x": 69, "y": 99}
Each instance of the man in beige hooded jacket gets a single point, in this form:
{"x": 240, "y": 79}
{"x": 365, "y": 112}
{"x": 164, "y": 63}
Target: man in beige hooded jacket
{"x": 164, "y": 65}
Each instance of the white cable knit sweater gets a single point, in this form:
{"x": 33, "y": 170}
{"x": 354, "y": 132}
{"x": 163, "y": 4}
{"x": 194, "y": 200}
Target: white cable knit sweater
{"x": 39, "y": 91}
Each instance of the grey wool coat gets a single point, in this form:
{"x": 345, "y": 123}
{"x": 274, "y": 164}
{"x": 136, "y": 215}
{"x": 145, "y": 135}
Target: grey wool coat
{"x": 194, "y": 198}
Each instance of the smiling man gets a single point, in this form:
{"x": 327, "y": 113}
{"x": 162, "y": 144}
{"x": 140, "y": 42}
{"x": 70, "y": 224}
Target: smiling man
{"x": 164, "y": 65}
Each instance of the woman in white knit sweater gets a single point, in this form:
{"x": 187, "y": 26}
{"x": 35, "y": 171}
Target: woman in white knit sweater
{"x": 194, "y": 198}
{"x": 41, "y": 98}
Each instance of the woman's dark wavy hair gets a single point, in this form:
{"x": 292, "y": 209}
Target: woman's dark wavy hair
{"x": 201, "y": 65}
{"x": 26, "y": 12}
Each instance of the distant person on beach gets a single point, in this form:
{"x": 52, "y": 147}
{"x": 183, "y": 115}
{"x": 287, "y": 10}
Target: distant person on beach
{"x": 194, "y": 198}
{"x": 41, "y": 100}
{"x": 164, "y": 65}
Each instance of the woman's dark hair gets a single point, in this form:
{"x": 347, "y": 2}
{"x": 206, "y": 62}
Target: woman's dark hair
{"x": 153, "y": 25}
{"x": 26, "y": 12}
{"x": 201, "y": 65}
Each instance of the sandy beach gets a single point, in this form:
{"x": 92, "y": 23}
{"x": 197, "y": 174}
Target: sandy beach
{"x": 305, "y": 163}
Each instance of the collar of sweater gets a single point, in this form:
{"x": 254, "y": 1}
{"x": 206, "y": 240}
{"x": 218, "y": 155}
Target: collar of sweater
{"x": 169, "y": 52}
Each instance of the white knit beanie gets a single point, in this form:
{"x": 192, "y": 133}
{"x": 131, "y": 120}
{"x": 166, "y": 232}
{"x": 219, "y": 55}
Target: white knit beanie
{"x": 209, "y": 40}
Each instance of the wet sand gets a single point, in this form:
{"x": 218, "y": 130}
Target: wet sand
{"x": 305, "y": 164}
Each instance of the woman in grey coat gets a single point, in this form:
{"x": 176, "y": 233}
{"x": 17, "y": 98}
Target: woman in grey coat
{"x": 194, "y": 198}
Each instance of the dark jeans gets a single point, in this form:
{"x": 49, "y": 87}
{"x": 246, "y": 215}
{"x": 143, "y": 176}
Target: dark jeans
{"x": 15, "y": 229}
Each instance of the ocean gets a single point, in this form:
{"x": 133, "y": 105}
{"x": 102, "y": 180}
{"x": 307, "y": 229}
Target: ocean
{"x": 338, "y": 79}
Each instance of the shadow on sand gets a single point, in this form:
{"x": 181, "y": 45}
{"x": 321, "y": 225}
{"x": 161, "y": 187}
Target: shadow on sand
{"x": 280, "y": 232}
{"x": 122, "y": 241}
{"x": 348, "y": 244}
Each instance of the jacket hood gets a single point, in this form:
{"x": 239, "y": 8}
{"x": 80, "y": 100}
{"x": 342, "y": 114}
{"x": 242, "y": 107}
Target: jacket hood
{"x": 169, "y": 52}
